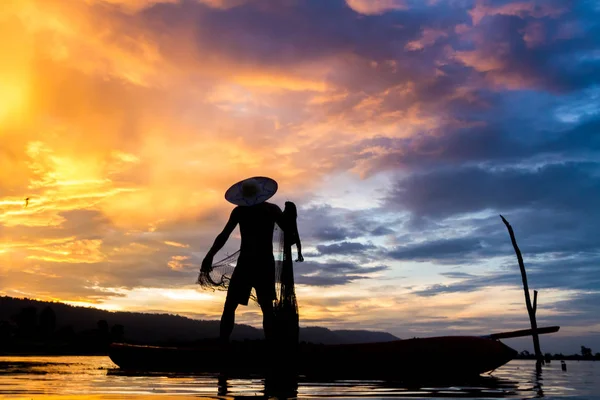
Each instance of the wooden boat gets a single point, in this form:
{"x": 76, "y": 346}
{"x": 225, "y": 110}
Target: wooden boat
{"x": 450, "y": 355}
{"x": 443, "y": 356}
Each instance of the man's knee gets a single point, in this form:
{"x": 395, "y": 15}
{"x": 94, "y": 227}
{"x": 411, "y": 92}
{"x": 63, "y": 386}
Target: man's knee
{"x": 229, "y": 307}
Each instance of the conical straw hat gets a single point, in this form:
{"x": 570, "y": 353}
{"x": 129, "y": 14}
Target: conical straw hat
{"x": 251, "y": 191}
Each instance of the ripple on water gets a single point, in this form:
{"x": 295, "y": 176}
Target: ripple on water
{"x": 98, "y": 377}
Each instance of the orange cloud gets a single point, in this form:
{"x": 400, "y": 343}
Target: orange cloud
{"x": 177, "y": 262}
{"x": 132, "y": 5}
{"x": 175, "y": 244}
{"x": 223, "y": 4}
{"x": 124, "y": 131}
{"x": 374, "y": 7}
{"x": 428, "y": 38}
{"x": 534, "y": 34}
{"x": 76, "y": 251}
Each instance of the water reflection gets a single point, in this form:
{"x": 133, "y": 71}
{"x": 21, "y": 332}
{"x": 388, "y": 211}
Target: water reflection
{"x": 28, "y": 377}
{"x": 487, "y": 386}
{"x": 275, "y": 386}
{"x": 290, "y": 386}
{"x": 537, "y": 380}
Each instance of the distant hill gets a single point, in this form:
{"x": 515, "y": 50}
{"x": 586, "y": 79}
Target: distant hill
{"x": 153, "y": 328}
{"x": 317, "y": 334}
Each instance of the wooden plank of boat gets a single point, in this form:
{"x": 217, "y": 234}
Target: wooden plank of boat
{"x": 522, "y": 332}
{"x": 437, "y": 356}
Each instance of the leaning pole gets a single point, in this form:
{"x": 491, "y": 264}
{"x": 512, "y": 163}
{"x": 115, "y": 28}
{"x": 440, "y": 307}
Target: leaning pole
{"x": 531, "y": 309}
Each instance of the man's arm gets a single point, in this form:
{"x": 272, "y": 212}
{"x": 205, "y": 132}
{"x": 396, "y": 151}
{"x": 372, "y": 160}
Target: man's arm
{"x": 224, "y": 235}
{"x": 298, "y": 244}
{"x": 220, "y": 241}
{"x": 279, "y": 219}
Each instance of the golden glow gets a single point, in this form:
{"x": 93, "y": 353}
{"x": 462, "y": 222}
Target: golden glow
{"x": 374, "y": 7}
{"x": 280, "y": 83}
{"x": 175, "y": 244}
{"x": 178, "y": 262}
{"x": 107, "y": 307}
{"x": 123, "y": 136}
{"x": 15, "y": 70}
{"x": 186, "y": 294}
{"x": 97, "y": 397}
{"x": 77, "y": 251}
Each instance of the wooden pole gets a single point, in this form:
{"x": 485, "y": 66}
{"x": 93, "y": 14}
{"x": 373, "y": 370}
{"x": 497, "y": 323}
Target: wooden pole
{"x": 531, "y": 309}
{"x": 521, "y": 333}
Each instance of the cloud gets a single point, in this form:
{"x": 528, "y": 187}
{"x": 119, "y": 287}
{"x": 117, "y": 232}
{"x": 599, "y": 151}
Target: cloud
{"x": 344, "y": 248}
{"x": 553, "y": 272}
{"x": 381, "y": 231}
{"x": 324, "y": 223}
{"x": 333, "y": 273}
{"x": 494, "y": 143}
{"x": 471, "y": 189}
{"x": 126, "y": 120}
{"x": 454, "y": 249}
{"x": 521, "y": 9}
{"x": 512, "y": 58}
{"x": 334, "y": 233}
{"x": 375, "y": 7}
{"x": 223, "y": 4}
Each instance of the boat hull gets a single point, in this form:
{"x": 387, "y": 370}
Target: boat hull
{"x": 448, "y": 357}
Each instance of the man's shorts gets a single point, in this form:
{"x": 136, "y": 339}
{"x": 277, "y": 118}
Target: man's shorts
{"x": 249, "y": 274}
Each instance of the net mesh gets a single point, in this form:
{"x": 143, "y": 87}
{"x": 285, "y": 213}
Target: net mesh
{"x": 220, "y": 275}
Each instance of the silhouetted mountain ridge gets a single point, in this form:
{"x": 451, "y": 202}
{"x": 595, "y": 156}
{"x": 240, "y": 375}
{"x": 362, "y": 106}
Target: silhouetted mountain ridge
{"x": 154, "y": 327}
{"x": 317, "y": 334}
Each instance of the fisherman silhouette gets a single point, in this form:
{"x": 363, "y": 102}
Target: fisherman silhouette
{"x": 256, "y": 264}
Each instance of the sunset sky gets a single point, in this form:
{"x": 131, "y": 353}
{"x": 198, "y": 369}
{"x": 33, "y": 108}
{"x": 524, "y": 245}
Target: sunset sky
{"x": 400, "y": 128}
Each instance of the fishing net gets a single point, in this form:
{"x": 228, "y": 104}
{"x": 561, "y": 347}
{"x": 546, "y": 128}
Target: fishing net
{"x": 219, "y": 277}
{"x": 285, "y": 307}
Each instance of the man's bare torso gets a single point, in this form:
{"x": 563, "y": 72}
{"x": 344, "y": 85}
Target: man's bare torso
{"x": 256, "y": 229}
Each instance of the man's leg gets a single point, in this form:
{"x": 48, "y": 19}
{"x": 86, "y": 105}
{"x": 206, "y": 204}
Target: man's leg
{"x": 227, "y": 320}
{"x": 265, "y": 293}
{"x": 267, "y": 311}
{"x": 237, "y": 293}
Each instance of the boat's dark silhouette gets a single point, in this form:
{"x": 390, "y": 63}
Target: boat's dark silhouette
{"x": 470, "y": 355}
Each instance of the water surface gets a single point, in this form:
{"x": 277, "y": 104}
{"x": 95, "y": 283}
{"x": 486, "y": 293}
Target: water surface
{"x": 68, "y": 377}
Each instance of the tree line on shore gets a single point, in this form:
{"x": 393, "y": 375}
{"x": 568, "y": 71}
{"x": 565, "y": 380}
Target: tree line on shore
{"x": 29, "y": 330}
{"x": 585, "y": 354}
{"x": 29, "y": 326}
